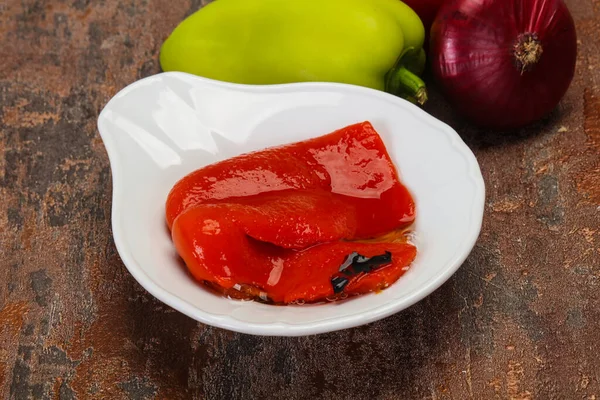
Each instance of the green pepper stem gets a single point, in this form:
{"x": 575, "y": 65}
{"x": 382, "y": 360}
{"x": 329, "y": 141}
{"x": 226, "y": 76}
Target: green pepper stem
{"x": 402, "y": 80}
{"x": 403, "y": 83}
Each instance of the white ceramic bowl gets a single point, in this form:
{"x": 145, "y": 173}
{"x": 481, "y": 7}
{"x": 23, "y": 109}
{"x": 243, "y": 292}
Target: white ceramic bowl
{"x": 161, "y": 128}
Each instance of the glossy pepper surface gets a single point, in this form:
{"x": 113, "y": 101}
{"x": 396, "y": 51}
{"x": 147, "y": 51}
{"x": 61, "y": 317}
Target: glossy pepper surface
{"x": 372, "y": 43}
{"x": 296, "y": 222}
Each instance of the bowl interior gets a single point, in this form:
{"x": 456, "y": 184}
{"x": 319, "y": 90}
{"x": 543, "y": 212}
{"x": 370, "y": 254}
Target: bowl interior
{"x": 163, "y": 127}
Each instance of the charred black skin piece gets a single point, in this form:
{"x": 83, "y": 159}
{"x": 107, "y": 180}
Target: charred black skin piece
{"x": 355, "y": 265}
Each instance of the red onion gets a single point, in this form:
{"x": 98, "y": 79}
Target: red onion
{"x": 503, "y": 63}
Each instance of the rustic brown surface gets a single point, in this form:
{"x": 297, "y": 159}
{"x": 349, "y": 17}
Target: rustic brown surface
{"x": 520, "y": 320}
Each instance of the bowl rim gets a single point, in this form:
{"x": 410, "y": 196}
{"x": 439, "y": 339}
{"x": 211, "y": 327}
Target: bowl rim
{"x": 282, "y": 328}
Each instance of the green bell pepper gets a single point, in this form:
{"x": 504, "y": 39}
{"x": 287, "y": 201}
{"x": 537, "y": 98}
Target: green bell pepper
{"x": 372, "y": 43}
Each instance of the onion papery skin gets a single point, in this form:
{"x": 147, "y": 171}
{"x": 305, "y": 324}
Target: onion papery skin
{"x": 503, "y": 63}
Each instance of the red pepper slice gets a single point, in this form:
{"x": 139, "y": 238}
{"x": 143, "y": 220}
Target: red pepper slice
{"x": 352, "y": 162}
{"x": 280, "y": 223}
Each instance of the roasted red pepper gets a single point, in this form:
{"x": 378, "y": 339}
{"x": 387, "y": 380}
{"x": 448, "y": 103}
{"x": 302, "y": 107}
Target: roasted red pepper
{"x": 290, "y": 224}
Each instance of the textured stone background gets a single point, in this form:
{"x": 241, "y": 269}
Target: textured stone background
{"x": 520, "y": 320}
